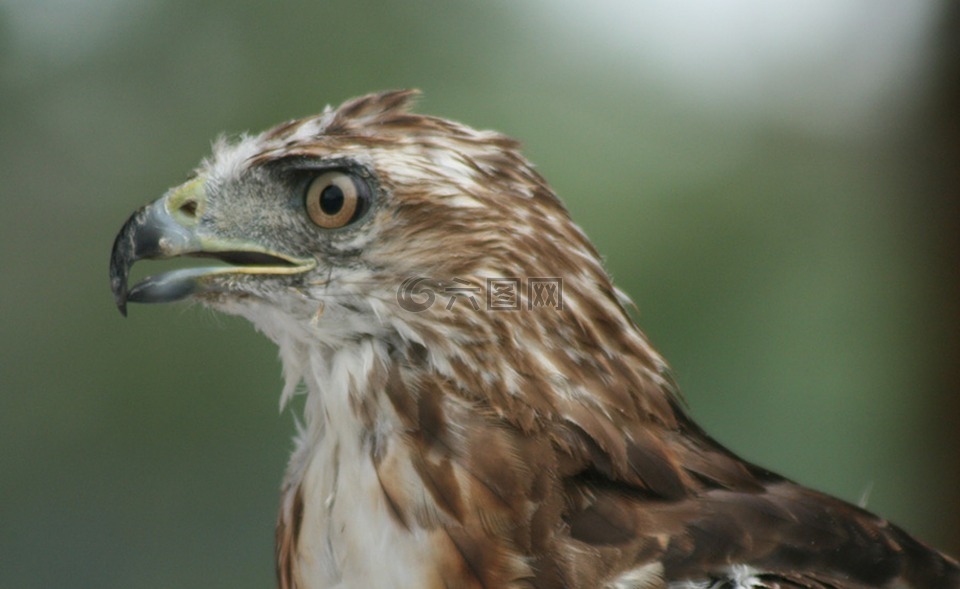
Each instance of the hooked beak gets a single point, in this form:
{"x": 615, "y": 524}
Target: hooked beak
{"x": 168, "y": 228}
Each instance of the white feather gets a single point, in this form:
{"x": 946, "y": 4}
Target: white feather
{"x": 348, "y": 538}
{"x": 739, "y": 576}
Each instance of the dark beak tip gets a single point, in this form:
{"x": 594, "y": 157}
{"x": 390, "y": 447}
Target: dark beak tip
{"x": 122, "y": 256}
{"x": 118, "y": 284}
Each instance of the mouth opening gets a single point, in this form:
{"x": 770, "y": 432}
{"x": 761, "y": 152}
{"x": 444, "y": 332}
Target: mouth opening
{"x": 185, "y": 280}
{"x": 245, "y": 258}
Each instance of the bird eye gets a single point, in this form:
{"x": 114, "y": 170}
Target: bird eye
{"x": 334, "y": 199}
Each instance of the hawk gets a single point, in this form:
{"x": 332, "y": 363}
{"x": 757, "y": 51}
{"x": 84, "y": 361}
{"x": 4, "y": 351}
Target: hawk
{"x": 450, "y": 443}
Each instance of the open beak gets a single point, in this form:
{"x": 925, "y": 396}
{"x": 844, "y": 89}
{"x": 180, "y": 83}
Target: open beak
{"x": 168, "y": 228}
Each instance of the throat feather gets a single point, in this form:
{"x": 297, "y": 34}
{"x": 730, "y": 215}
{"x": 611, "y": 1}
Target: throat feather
{"x": 347, "y": 533}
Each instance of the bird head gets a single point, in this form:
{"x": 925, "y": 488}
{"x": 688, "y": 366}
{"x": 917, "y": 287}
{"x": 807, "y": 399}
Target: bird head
{"x": 367, "y": 219}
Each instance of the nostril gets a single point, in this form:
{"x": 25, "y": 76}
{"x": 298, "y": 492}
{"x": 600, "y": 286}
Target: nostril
{"x": 189, "y": 208}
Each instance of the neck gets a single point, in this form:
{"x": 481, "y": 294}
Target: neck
{"x": 415, "y": 439}
{"x": 336, "y": 524}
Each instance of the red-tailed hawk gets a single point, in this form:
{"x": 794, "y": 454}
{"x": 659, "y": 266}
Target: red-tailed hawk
{"x": 481, "y": 410}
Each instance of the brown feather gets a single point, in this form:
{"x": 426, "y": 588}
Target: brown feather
{"x": 572, "y": 472}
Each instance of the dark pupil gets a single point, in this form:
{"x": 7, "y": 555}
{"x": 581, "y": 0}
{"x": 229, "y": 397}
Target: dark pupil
{"x": 331, "y": 199}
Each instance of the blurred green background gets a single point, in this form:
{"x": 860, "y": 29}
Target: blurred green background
{"x": 775, "y": 184}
